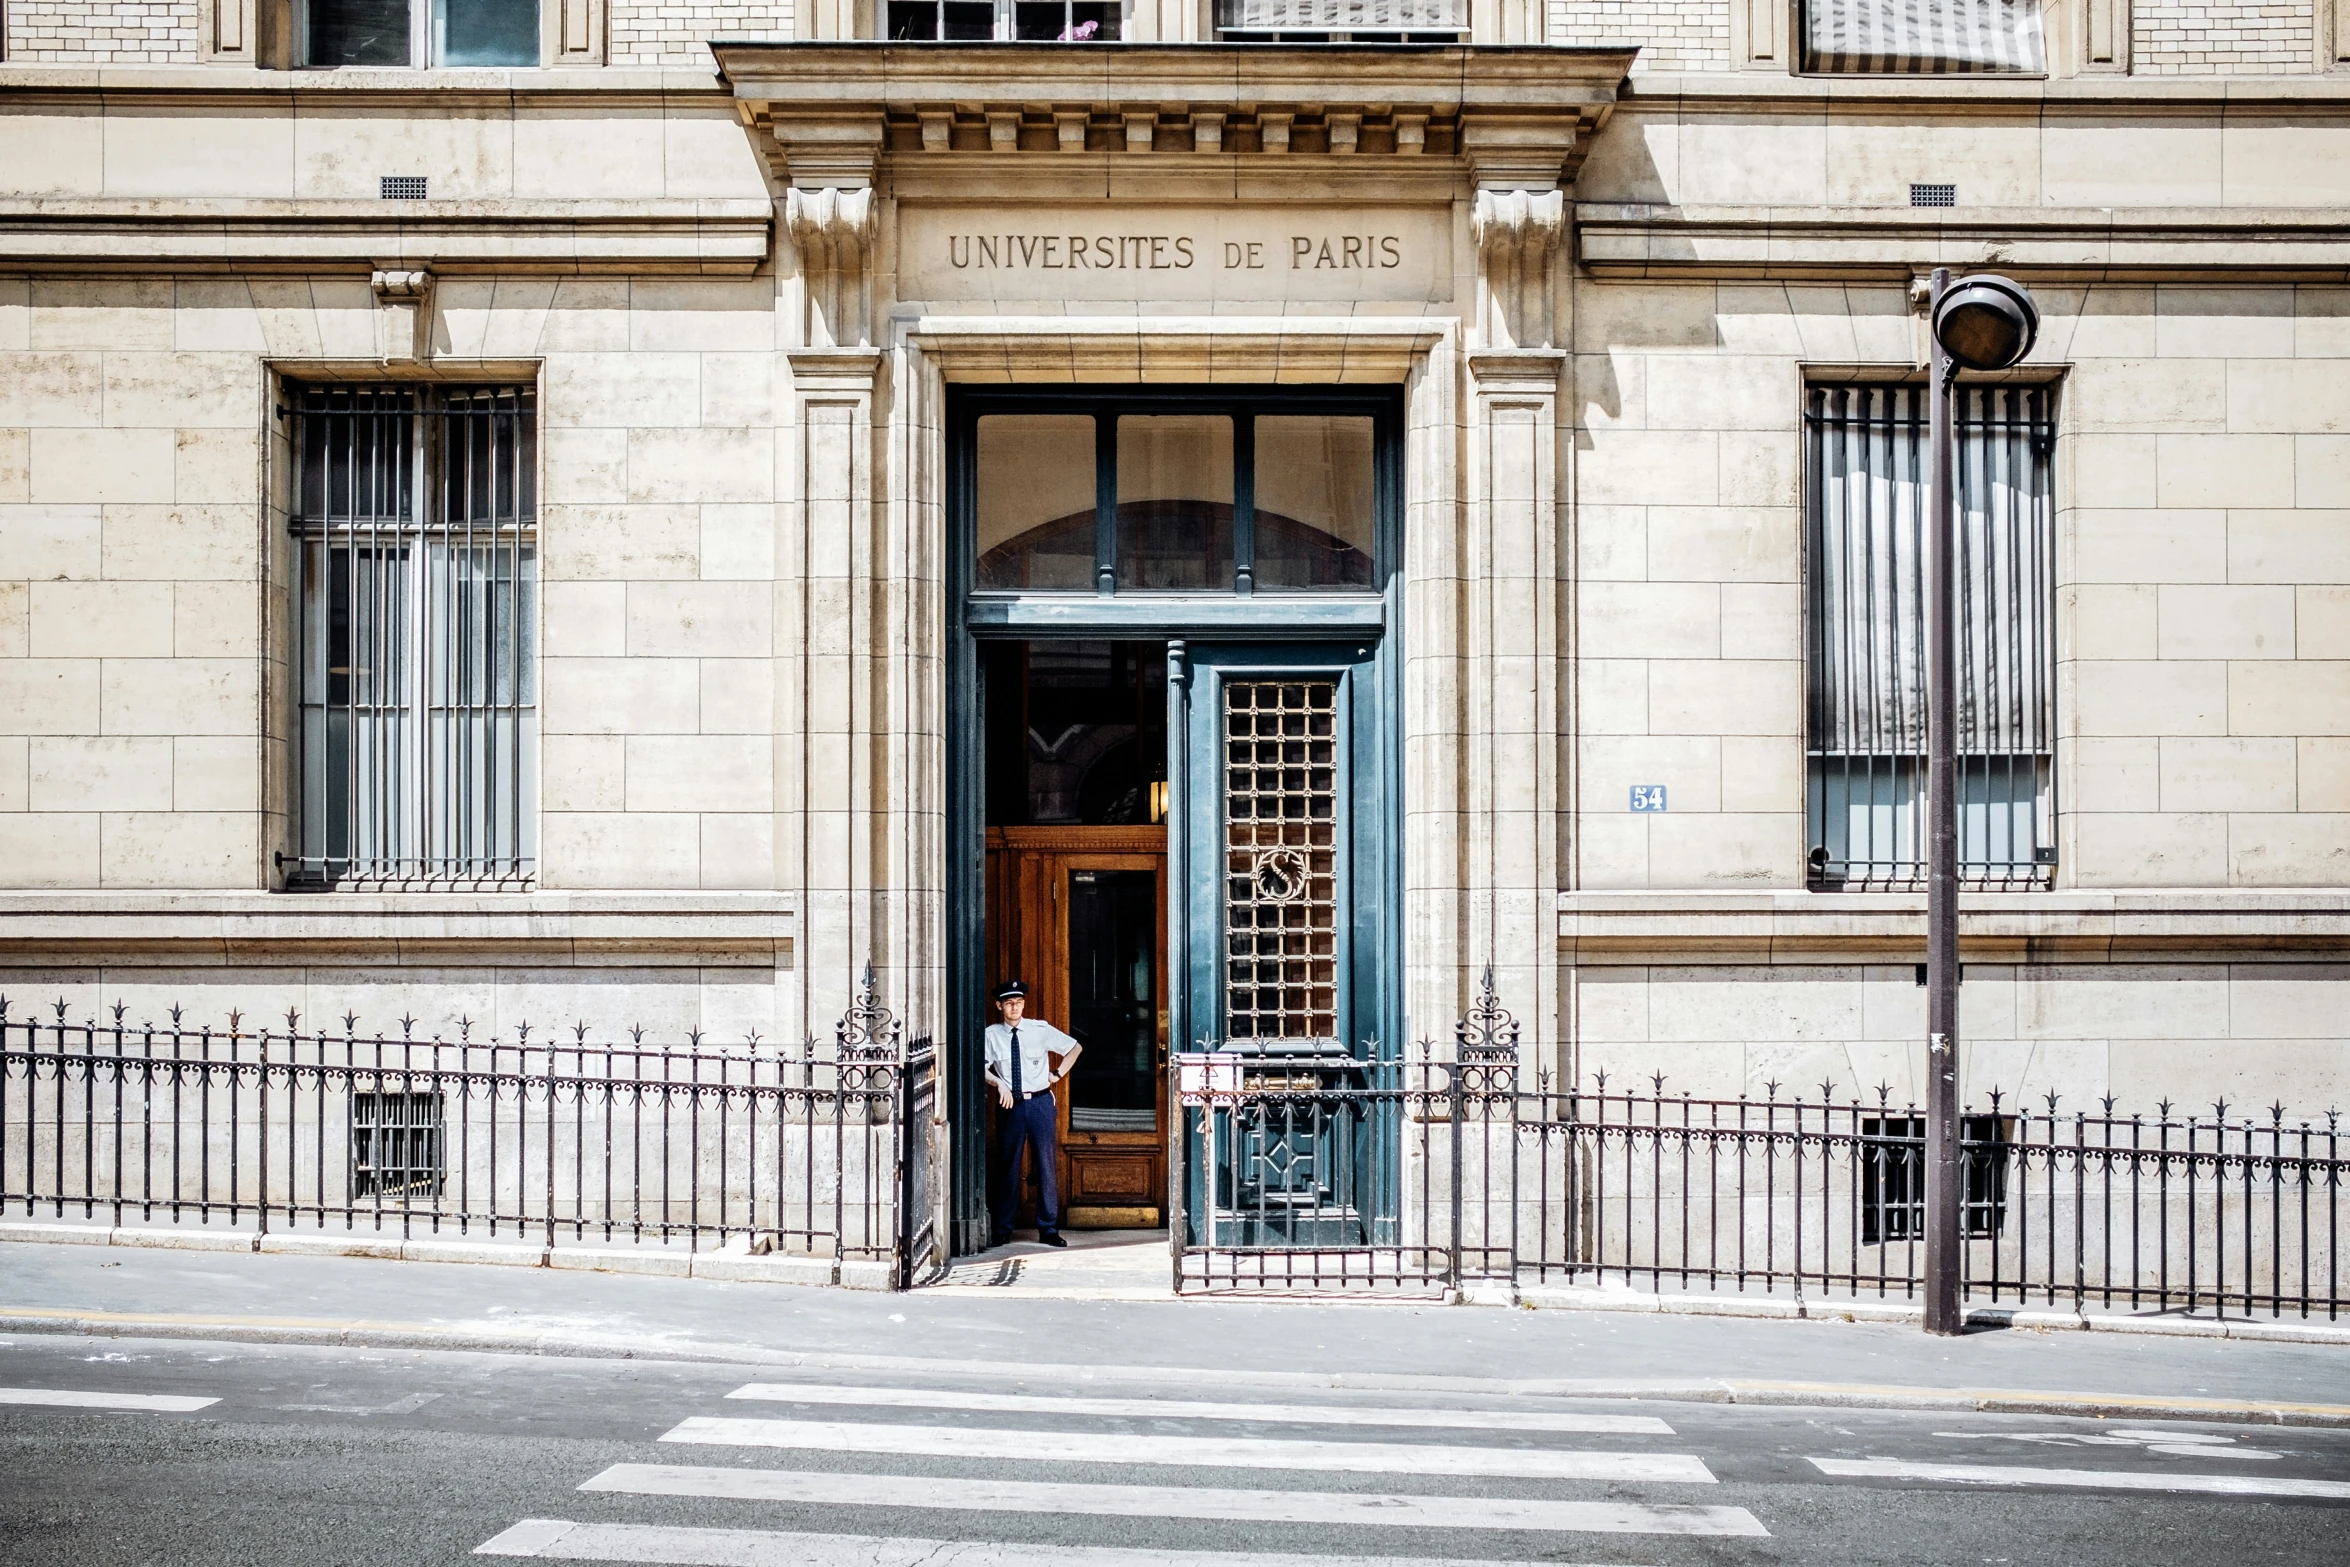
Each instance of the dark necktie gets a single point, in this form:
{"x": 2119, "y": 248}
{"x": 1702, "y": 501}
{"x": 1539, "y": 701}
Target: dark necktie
{"x": 1017, "y": 1094}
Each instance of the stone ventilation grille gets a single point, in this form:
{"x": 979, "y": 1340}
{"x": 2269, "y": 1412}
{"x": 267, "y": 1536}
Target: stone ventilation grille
{"x": 1673, "y": 35}
{"x": 128, "y": 32}
{"x": 2216, "y": 38}
{"x": 663, "y": 32}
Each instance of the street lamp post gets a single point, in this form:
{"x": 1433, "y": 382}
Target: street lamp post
{"x": 1983, "y": 322}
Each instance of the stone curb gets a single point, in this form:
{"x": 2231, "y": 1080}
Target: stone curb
{"x": 731, "y": 1267}
{"x": 2044, "y": 1320}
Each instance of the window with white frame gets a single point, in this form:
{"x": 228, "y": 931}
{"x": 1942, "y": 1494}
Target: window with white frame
{"x": 1867, "y": 480}
{"x": 1923, "y": 37}
{"x": 414, "y": 647}
{"x": 417, "y": 32}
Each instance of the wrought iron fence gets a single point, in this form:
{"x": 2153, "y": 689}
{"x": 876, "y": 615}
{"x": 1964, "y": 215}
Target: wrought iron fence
{"x": 1446, "y": 1170}
{"x": 811, "y": 1150}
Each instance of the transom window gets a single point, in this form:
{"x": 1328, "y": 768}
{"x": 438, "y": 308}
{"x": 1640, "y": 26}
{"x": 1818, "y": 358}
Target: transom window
{"x": 1197, "y": 493}
{"x": 417, "y": 32}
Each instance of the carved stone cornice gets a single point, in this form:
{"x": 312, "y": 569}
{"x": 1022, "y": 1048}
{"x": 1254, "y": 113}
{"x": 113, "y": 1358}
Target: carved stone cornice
{"x": 832, "y": 229}
{"x": 1518, "y": 115}
{"x": 1519, "y": 234}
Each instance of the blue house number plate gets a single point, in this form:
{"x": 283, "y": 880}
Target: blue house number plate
{"x": 1648, "y": 797}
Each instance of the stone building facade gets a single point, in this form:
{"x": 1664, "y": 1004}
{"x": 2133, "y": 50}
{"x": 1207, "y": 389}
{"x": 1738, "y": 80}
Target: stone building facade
{"x": 1586, "y": 293}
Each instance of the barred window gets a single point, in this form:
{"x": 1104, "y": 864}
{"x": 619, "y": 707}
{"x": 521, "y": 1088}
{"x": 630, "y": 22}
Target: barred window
{"x": 415, "y": 658}
{"x": 1865, "y": 567}
{"x": 1923, "y": 37}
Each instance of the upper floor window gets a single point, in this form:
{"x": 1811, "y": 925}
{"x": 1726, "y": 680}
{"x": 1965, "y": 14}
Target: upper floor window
{"x": 418, "y": 32}
{"x": 415, "y": 656}
{"x": 1866, "y": 495}
{"x": 1178, "y": 493}
{"x": 1342, "y": 21}
{"x": 1923, "y": 37}
{"x": 977, "y": 21}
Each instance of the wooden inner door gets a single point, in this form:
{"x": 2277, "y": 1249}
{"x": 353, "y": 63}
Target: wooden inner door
{"x": 1079, "y": 912}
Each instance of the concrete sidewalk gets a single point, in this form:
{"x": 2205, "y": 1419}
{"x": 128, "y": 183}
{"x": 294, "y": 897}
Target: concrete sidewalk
{"x": 135, "y": 1292}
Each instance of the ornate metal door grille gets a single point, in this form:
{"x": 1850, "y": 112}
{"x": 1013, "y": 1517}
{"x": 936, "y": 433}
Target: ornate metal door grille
{"x": 1281, "y": 861}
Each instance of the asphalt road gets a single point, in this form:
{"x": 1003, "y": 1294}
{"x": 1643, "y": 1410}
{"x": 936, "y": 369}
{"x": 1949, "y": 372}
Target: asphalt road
{"x": 313, "y": 1455}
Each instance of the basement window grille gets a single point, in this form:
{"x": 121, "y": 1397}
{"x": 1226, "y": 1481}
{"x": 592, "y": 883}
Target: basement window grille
{"x": 415, "y": 596}
{"x": 403, "y": 187}
{"x": 1865, "y": 636}
{"x": 1933, "y": 195}
{"x": 396, "y": 1145}
{"x": 1891, "y": 1154}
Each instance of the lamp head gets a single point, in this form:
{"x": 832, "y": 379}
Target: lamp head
{"x": 1986, "y": 322}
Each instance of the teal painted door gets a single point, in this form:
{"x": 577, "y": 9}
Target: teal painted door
{"x": 1284, "y": 868}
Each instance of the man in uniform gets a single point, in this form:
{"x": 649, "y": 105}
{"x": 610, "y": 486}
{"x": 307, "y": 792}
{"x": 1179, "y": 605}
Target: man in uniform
{"x": 1019, "y": 1053}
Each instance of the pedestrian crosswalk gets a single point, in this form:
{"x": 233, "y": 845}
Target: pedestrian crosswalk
{"x": 839, "y": 1471}
{"x": 81, "y": 1398}
{"x": 853, "y": 1475}
{"x": 592, "y": 1542}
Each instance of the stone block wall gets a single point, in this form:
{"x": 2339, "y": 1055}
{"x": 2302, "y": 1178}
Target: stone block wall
{"x": 2222, "y": 37}
{"x": 2252, "y": 1033}
{"x": 668, "y": 32}
{"x": 2203, "y": 470}
{"x": 129, "y": 551}
{"x": 123, "y": 32}
{"x": 2205, "y": 610}
{"x": 1672, "y": 35}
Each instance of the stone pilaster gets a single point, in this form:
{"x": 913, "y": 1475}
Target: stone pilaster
{"x": 1514, "y": 636}
{"x": 1513, "y": 686}
{"x": 836, "y": 730}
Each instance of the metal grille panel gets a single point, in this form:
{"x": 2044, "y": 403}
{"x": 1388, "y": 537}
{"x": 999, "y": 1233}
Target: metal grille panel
{"x": 396, "y": 1144}
{"x": 415, "y": 591}
{"x": 1281, "y": 860}
{"x": 1869, "y": 468}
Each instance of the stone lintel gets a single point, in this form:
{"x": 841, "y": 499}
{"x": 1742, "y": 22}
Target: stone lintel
{"x": 2243, "y": 244}
{"x": 208, "y": 930}
{"x": 2219, "y": 925}
{"x": 506, "y": 236}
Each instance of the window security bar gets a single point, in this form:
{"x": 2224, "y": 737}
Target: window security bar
{"x": 415, "y": 589}
{"x": 1868, "y": 463}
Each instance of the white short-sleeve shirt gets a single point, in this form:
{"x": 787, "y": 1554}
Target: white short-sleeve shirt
{"x": 1039, "y": 1042}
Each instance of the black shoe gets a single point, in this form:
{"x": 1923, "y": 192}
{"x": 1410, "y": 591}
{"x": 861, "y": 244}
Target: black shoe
{"x": 999, "y": 1238}
{"x": 1050, "y": 1238}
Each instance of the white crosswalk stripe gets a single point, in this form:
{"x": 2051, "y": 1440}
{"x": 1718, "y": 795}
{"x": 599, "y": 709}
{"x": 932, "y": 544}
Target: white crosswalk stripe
{"x": 1098, "y": 1447}
{"x": 1386, "y": 1510}
{"x": 2087, "y": 1479}
{"x": 608, "y": 1542}
{"x": 74, "y": 1398}
{"x": 896, "y": 1425}
{"x": 1571, "y": 1424}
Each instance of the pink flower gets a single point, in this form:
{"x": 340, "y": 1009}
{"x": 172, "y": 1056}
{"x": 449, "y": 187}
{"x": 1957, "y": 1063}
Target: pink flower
{"x": 1082, "y": 33}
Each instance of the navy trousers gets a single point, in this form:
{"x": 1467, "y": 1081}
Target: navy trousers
{"x": 1032, "y": 1123}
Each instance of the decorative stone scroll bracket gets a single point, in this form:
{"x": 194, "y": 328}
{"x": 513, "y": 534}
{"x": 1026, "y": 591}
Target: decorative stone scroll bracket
{"x": 833, "y": 231}
{"x": 1519, "y": 234}
{"x": 403, "y": 315}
